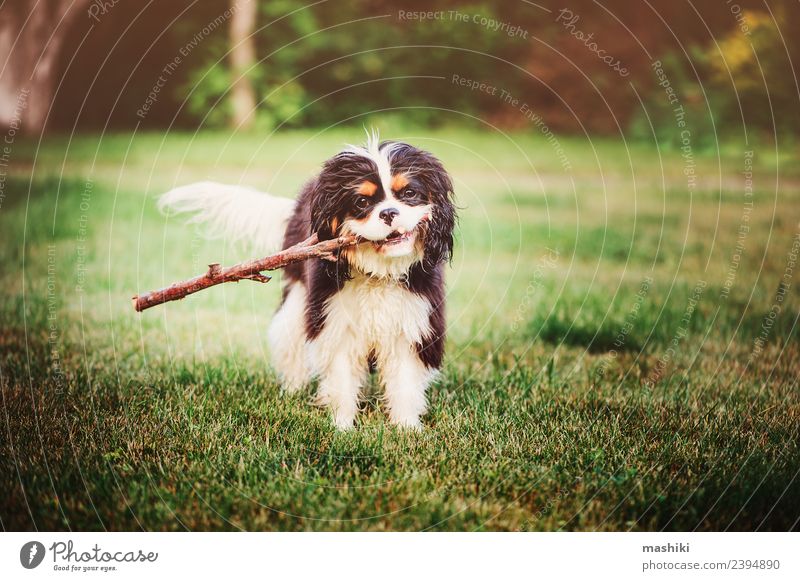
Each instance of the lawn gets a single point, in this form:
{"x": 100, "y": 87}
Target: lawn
{"x": 623, "y": 346}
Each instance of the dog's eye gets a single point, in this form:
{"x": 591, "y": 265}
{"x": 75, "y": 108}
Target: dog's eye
{"x": 407, "y": 193}
{"x": 361, "y": 202}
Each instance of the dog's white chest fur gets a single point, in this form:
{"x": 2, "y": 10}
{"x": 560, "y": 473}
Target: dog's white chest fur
{"x": 373, "y": 313}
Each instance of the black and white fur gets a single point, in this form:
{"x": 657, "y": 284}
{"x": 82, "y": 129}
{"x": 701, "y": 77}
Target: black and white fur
{"x": 381, "y": 304}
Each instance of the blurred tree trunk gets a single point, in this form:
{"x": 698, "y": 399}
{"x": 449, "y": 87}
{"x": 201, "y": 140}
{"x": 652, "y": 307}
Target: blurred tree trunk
{"x": 243, "y": 56}
{"x": 31, "y": 37}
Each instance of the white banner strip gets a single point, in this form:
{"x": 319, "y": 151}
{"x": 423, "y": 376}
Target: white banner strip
{"x": 350, "y": 556}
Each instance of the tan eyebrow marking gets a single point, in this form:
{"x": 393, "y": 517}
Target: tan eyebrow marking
{"x": 399, "y": 181}
{"x": 367, "y": 189}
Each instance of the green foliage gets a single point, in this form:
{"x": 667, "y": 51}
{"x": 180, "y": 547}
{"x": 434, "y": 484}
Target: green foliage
{"x": 207, "y": 89}
{"x": 336, "y": 60}
{"x": 319, "y": 65}
{"x": 753, "y": 70}
{"x": 741, "y": 84}
{"x": 329, "y": 62}
{"x": 694, "y": 109}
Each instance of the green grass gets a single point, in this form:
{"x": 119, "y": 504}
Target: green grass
{"x": 574, "y": 396}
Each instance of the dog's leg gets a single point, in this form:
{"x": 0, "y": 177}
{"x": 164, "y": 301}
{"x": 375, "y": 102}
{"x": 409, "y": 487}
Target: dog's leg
{"x": 287, "y": 338}
{"x": 341, "y": 366}
{"x": 339, "y": 387}
{"x": 406, "y": 379}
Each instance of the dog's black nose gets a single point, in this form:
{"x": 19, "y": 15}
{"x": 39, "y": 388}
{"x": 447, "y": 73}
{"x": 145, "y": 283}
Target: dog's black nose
{"x": 388, "y": 215}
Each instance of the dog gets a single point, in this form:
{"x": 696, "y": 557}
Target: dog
{"x": 381, "y": 304}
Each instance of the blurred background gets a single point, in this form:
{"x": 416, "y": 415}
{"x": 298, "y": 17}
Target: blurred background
{"x": 622, "y": 300}
{"x": 90, "y": 65}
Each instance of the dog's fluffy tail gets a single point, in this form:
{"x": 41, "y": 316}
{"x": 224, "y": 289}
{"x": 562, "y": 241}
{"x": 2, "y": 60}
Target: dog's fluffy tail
{"x": 235, "y": 213}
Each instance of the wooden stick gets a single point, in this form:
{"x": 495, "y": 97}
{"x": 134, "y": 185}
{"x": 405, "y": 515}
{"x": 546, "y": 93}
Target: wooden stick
{"x": 250, "y": 270}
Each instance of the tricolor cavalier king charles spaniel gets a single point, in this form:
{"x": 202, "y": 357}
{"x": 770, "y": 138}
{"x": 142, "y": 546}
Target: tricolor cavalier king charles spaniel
{"x": 380, "y": 305}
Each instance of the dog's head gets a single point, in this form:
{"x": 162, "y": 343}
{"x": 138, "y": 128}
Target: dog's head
{"x": 397, "y": 197}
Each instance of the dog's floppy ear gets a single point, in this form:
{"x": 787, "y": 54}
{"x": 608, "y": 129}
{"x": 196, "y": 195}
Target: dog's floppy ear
{"x": 439, "y": 238}
{"x": 323, "y": 221}
{"x": 318, "y": 209}
{"x": 330, "y": 190}
{"x": 326, "y": 200}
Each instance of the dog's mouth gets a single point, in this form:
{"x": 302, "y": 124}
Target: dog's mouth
{"x": 397, "y": 236}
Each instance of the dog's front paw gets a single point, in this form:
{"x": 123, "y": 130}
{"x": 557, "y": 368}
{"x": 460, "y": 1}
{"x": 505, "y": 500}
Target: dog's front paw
{"x": 408, "y": 422}
{"x": 344, "y": 421}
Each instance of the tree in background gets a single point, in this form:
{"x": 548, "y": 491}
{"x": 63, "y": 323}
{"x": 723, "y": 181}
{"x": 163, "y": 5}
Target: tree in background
{"x": 32, "y": 35}
{"x": 242, "y": 59}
